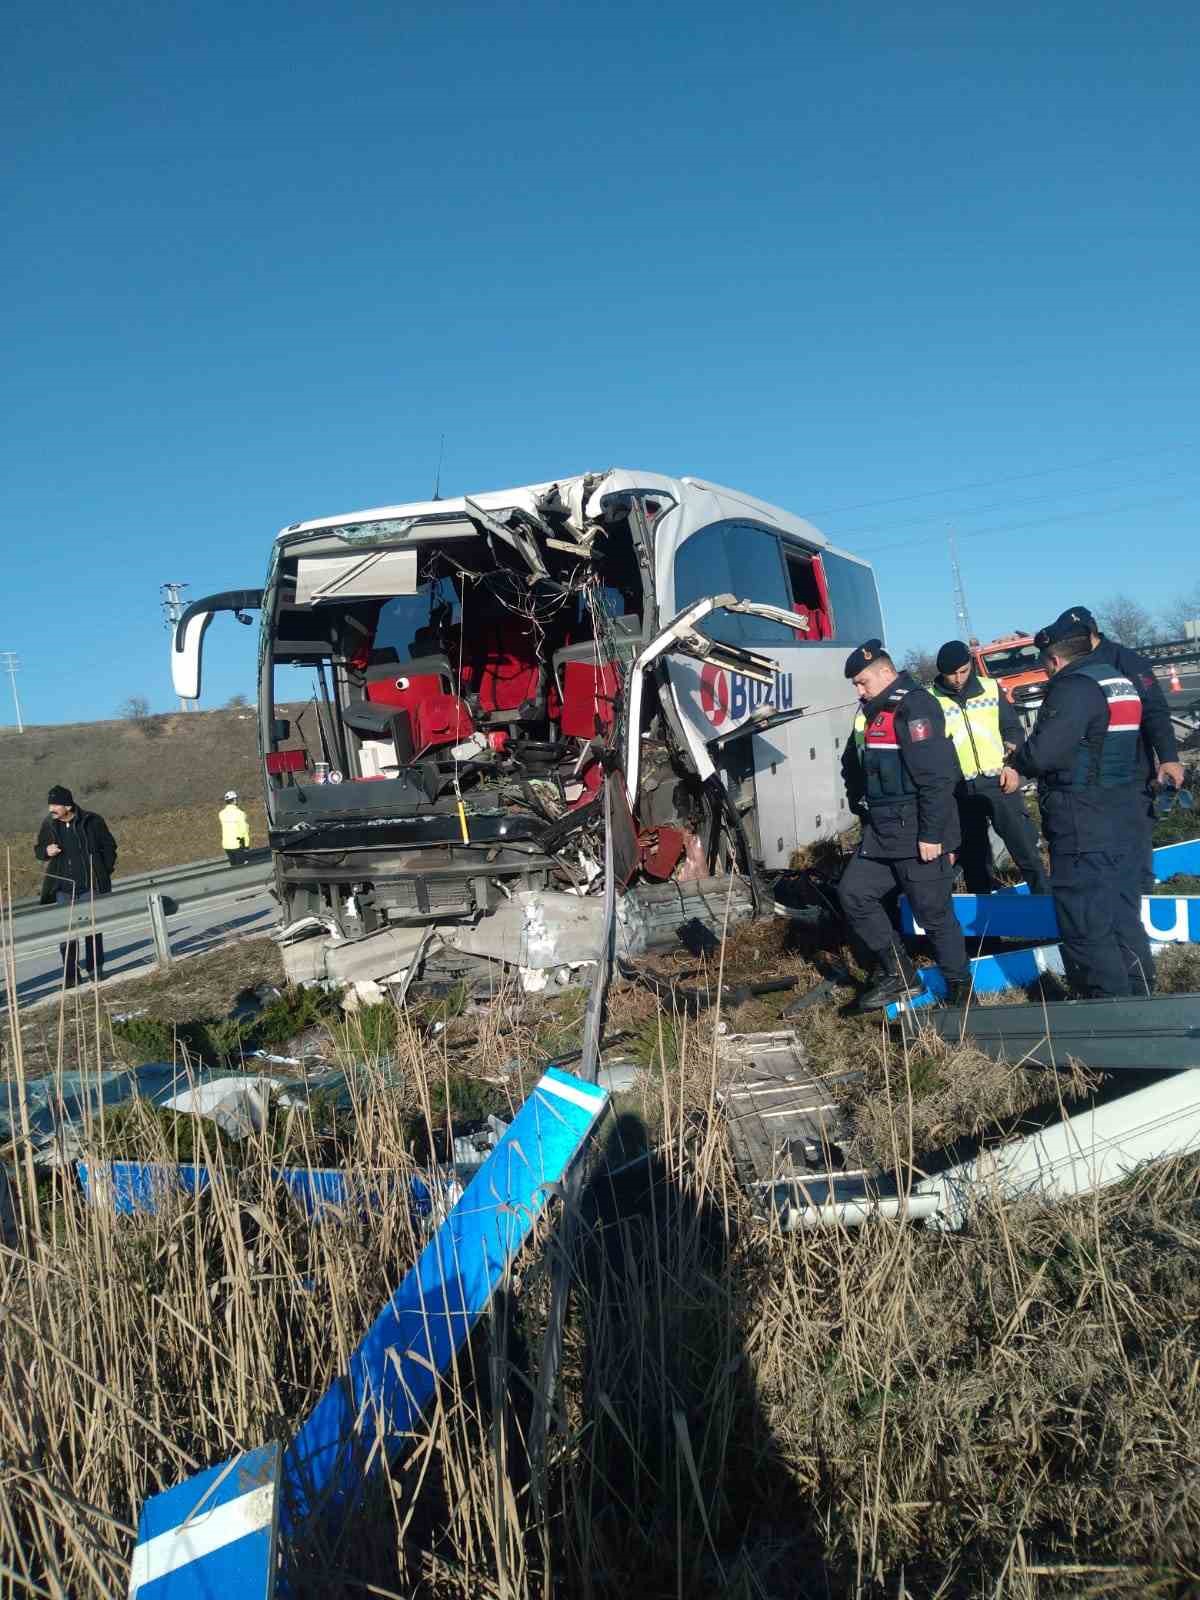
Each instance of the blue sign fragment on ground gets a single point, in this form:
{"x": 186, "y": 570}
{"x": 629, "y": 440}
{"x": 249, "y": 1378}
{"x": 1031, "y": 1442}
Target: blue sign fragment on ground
{"x": 213, "y": 1535}
{"x": 1012, "y": 970}
{"x": 366, "y": 1418}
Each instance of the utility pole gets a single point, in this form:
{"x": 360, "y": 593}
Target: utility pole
{"x": 172, "y": 604}
{"x": 961, "y": 614}
{"x": 12, "y": 666}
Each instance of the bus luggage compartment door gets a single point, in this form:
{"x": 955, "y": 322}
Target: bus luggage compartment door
{"x": 797, "y": 787}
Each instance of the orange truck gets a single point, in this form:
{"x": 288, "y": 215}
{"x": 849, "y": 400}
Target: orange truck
{"x": 1015, "y": 663}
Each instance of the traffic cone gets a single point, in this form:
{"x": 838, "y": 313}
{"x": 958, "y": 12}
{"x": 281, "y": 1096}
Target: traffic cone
{"x": 1176, "y": 686}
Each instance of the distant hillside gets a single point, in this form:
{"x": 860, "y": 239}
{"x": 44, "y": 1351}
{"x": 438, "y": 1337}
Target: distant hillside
{"x": 166, "y": 773}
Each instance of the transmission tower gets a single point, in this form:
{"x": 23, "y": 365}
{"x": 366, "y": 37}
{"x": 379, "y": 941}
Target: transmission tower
{"x": 11, "y": 665}
{"x": 172, "y": 605}
{"x": 961, "y": 614}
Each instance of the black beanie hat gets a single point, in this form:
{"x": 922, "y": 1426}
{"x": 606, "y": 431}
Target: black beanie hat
{"x": 59, "y": 796}
{"x": 952, "y": 655}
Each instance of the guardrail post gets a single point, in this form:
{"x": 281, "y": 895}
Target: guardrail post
{"x": 158, "y": 926}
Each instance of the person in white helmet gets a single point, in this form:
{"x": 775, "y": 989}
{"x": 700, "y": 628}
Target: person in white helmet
{"x": 235, "y": 828}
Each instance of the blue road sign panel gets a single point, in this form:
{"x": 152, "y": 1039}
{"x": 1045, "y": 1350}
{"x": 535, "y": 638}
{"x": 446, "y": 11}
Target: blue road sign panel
{"x": 139, "y": 1187}
{"x": 1172, "y": 858}
{"x": 1168, "y": 919}
{"x": 213, "y": 1536}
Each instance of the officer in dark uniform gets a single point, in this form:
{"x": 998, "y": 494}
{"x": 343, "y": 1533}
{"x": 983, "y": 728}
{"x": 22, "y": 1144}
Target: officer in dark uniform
{"x": 1084, "y": 753}
{"x": 1158, "y": 752}
{"x": 900, "y": 772}
{"x": 983, "y": 727}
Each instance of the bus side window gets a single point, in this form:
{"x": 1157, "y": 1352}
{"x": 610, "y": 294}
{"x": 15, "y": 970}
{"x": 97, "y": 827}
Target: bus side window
{"x": 735, "y": 558}
{"x": 853, "y": 599}
{"x": 810, "y": 595}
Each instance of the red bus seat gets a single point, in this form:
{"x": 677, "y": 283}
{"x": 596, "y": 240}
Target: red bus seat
{"x": 440, "y": 719}
{"x": 406, "y": 684}
{"x": 501, "y": 673}
{"x": 588, "y": 698}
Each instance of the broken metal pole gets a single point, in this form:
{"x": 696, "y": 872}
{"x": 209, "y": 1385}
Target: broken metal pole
{"x": 1141, "y": 1033}
{"x": 560, "y": 1267}
{"x": 1088, "y": 1150}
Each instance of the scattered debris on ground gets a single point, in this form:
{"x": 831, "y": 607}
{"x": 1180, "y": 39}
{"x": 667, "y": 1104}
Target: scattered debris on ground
{"x": 739, "y": 1411}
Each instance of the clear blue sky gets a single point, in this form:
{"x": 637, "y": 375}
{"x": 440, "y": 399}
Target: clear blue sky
{"x": 258, "y": 258}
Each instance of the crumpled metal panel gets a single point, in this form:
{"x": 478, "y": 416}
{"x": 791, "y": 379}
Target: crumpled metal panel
{"x": 782, "y": 1113}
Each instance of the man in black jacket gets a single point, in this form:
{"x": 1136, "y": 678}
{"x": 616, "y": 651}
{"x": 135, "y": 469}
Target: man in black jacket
{"x": 1158, "y": 752}
{"x": 901, "y": 773}
{"x": 80, "y": 854}
{"x": 1084, "y": 753}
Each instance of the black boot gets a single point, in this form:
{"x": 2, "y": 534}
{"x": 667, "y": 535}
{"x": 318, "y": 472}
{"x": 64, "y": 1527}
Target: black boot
{"x": 69, "y": 953}
{"x": 897, "y": 981}
{"x": 93, "y": 956}
{"x": 959, "y": 994}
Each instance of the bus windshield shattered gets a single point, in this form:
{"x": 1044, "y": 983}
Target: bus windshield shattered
{"x": 519, "y": 698}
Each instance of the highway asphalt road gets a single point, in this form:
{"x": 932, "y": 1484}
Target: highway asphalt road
{"x": 129, "y": 947}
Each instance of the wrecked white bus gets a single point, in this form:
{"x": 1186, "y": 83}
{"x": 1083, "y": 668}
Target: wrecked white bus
{"x": 479, "y": 664}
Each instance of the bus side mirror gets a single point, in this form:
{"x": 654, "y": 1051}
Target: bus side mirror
{"x": 281, "y": 729}
{"x": 186, "y": 656}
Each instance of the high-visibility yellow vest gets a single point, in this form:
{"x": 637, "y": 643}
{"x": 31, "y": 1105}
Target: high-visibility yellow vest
{"x": 235, "y": 828}
{"x": 974, "y": 728}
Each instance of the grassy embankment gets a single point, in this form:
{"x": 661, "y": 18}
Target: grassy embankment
{"x": 1010, "y": 1412}
{"x": 158, "y": 783}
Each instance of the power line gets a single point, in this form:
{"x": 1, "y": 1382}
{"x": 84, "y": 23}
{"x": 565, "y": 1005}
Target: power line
{"x": 869, "y": 529}
{"x": 1041, "y": 522}
{"x": 991, "y": 483}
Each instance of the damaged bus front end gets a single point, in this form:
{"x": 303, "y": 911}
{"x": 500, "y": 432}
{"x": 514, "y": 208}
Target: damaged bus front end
{"x": 481, "y": 665}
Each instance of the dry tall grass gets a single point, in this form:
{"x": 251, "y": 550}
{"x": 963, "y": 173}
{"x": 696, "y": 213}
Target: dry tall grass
{"x": 1013, "y": 1412}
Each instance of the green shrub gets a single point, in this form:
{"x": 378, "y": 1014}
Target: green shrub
{"x": 143, "y": 1039}
{"x": 462, "y": 1099}
{"x": 1181, "y": 883}
{"x": 294, "y": 1011}
{"x": 222, "y": 1043}
{"x": 657, "y": 1043}
{"x": 367, "y": 1034}
{"x": 138, "y": 1130}
{"x": 1176, "y": 827}
{"x": 561, "y": 1029}
{"x": 431, "y": 1010}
